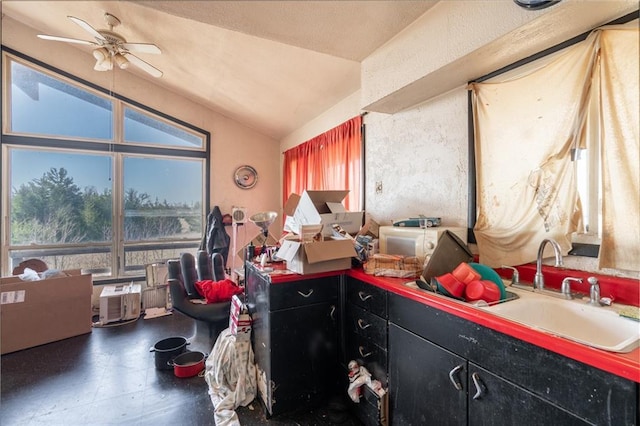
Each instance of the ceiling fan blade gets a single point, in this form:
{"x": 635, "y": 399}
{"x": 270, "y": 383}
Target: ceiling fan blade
{"x": 143, "y": 65}
{"x": 142, "y": 48}
{"x": 66, "y": 39}
{"x": 88, "y": 28}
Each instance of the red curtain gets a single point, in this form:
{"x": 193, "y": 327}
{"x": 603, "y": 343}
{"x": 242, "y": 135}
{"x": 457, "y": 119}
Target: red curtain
{"x": 330, "y": 161}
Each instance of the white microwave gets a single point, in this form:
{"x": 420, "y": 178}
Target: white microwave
{"x": 411, "y": 241}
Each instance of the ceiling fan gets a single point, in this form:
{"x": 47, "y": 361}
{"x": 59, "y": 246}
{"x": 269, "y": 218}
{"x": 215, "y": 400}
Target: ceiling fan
{"x": 111, "y": 47}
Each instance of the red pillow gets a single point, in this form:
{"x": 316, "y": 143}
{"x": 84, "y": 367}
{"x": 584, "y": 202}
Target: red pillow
{"x": 217, "y": 291}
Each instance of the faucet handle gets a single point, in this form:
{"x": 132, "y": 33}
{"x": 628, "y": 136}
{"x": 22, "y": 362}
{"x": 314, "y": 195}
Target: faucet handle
{"x": 565, "y": 289}
{"x": 515, "y": 278}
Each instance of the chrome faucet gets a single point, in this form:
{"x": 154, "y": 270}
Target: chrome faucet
{"x": 538, "y": 279}
{"x": 515, "y": 278}
{"x": 594, "y": 291}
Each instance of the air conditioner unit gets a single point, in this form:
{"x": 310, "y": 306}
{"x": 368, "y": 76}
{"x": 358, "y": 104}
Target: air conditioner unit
{"x": 239, "y": 214}
{"x": 119, "y": 302}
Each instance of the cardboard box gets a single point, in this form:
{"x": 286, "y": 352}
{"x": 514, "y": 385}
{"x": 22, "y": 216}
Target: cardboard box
{"x": 33, "y": 313}
{"x": 311, "y": 257}
{"x": 258, "y": 241}
{"x": 239, "y": 320}
{"x": 320, "y": 207}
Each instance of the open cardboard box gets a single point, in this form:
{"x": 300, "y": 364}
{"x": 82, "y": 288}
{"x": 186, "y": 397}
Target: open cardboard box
{"x": 306, "y": 255}
{"x": 38, "y": 312}
{"x": 258, "y": 241}
{"x": 320, "y": 207}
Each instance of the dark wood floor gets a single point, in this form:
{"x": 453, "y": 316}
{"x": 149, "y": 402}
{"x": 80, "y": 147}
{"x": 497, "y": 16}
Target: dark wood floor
{"x": 109, "y": 377}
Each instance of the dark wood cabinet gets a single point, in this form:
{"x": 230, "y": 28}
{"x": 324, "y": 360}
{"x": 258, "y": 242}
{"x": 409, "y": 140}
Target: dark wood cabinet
{"x": 438, "y": 387}
{"x": 495, "y": 401}
{"x": 365, "y": 327}
{"x": 505, "y": 380}
{"x": 365, "y": 340}
{"x": 438, "y": 368}
{"x": 428, "y": 383}
{"x": 294, "y": 339}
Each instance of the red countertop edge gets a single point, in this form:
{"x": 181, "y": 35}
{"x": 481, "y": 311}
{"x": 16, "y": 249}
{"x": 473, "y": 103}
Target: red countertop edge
{"x": 625, "y": 365}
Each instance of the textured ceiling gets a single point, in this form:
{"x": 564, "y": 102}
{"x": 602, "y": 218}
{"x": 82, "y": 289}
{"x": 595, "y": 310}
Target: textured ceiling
{"x": 270, "y": 65}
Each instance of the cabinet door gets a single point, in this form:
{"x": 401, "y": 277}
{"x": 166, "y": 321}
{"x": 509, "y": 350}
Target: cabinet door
{"x": 427, "y": 384}
{"x": 494, "y": 401}
{"x": 304, "y": 359}
{"x": 257, "y": 299}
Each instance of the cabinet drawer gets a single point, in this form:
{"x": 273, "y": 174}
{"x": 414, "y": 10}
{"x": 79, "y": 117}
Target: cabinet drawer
{"x": 303, "y": 292}
{"x": 371, "y": 410}
{"x": 367, "y": 296}
{"x": 367, "y": 325}
{"x": 368, "y": 354}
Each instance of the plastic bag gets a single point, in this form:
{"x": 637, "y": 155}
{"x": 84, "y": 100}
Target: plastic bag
{"x": 29, "y": 275}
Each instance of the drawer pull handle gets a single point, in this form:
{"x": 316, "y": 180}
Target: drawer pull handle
{"x": 362, "y": 354}
{"x": 362, "y": 324}
{"x": 333, "y": 311}
{"x": 478, "y": 384}
{"x": 454, "y": 378}
{"x": 363, "y": 296}
{"x": 306, "y": 295}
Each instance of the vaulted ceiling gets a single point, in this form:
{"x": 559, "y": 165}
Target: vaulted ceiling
{"x": 270, "y": 65}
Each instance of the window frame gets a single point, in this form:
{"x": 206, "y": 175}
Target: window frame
{"x": 117, "y": 148}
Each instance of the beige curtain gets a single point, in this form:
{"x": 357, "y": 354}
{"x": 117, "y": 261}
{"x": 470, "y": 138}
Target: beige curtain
{"x": 532, "y": 195}
{"x": 620, "y": 149}
{"x": 525, "y": 176}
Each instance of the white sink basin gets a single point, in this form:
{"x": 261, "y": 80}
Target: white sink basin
{"x": 598, "y": 327}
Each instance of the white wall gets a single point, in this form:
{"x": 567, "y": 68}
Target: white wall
{"x": 232, "y": 144}
{"x": 420, "y": 152}
{"x": 420, "y": 156}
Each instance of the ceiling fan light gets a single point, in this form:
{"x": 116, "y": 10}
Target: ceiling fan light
{"x": 106, "y": 65}
{"x": 121, "y": 61}
{"x": 101, "y": 54}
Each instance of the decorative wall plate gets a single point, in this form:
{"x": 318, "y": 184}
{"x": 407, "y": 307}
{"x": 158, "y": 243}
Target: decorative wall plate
{"x": 535, "y": 4}
{"x": 246, "y": 177}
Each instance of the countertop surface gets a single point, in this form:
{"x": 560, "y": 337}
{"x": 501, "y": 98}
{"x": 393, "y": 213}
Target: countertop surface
{"x": 626, "y": 365}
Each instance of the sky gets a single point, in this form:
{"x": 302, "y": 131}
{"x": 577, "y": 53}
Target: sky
{"x": 42, "y": 105}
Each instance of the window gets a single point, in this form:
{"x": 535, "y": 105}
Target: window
{"x": 42, "y": 105}
{"x": 142, "y": 128}
{"x": 569, "y": 128}
{"x": 93, "y": 181}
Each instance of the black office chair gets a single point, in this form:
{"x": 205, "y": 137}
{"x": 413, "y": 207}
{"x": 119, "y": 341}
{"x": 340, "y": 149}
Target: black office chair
{"x": 210, "y": 318}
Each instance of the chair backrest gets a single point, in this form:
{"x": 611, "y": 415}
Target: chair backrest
{"x": 203, "y": 268}
{"x": 189, "y": 269}
{"x": 184, "y": 270}
{"x": 189, "y": 275}
{"x": 217, "y": 266}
